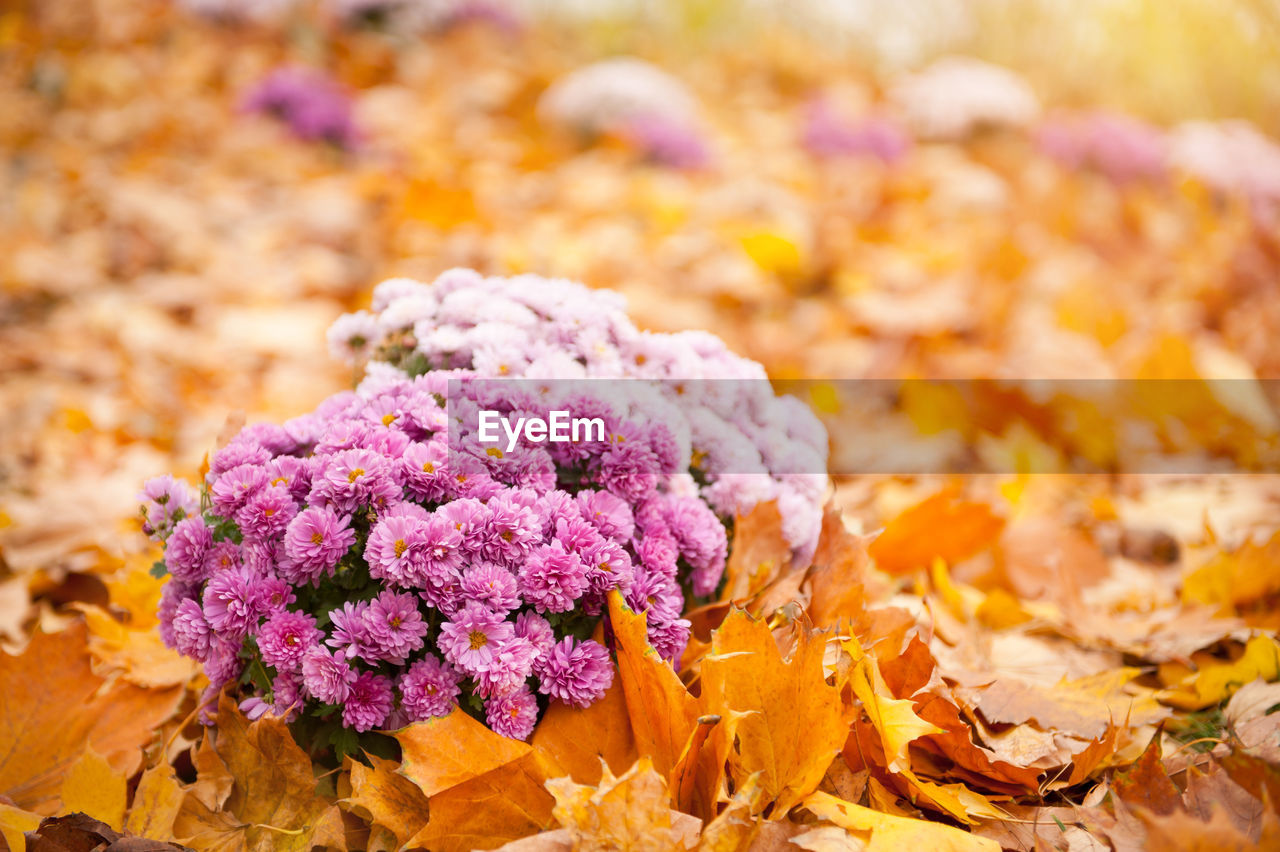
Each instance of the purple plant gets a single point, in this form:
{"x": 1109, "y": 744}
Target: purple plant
{"x": 314, "y": 106}
{"x": 676, "y": 144}
{"x": 363, "y": 603}
{"x": 1122, "y": 149}
{"x": 827, "y": 135}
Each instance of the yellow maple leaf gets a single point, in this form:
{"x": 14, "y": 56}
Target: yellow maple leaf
{"x": 888, "y": 833}
{"x": 626, "y": 812}
{"x": 793, "y": 721}
{"x": 894, "y": 719}
{"x": 92, "y": 787}
{"x": 1214, "y": 682}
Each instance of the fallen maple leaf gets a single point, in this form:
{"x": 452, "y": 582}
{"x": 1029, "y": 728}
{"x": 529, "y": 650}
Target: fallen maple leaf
{"x": 628, "y": 813}
{"x": 65, "y": 707}
{"x": 793, "y": 721}
{"x": 156, "y": 803}
{"x": 77, "y": 832}
{"x": 444, "y": 752}
{"x": 945, "y": 526}
{"x": 14, "y": 822}
{"x": 1146, "y": 784}
{"x": 392, "y": 800}
{"x": 1084, "y": 706}
{"x": 759, "y": 555}
{"x": 836, "y": 579}
{"x": 273, "y": 803}
{"x": 881, "y": 832}
{"x": 1215, "y": 681}
{"x": 139, "y": 654}
{"x": 486, "y": 811}
{"x": 92, "y": 787}
{"x": 663, "y": 714}
{"x": 1251, "y": 701}
{"x": 579, "y": 739}
{"x": 894, "y": 719}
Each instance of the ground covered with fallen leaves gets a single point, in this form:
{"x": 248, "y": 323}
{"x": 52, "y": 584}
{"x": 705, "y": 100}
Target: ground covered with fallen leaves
{"x": 1008, "y": 660}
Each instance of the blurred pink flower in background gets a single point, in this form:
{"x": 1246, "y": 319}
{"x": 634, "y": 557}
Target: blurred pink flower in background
{"x": 666, "y": 142}
{"x": 1121, "y": 148}
{"x": 315, "y": 106}
{"x": 829, "y": 135}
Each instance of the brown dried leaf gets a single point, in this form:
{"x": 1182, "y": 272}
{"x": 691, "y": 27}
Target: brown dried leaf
{"x": 394, "y": 801}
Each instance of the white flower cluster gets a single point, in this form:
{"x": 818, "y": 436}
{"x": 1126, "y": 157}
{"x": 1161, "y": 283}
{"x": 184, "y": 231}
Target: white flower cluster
{"x": 739, "y": 443}
{"x": 1230, "y": 157}
{"x": 609, "y": 95}
{"x": 957, "y": 95}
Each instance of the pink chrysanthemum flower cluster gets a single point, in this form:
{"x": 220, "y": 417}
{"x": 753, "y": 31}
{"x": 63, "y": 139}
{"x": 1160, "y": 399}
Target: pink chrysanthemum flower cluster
{"x": 738, "y": 442}
{"x": 1121, "y": 148}
{"x": 369, "y": 565}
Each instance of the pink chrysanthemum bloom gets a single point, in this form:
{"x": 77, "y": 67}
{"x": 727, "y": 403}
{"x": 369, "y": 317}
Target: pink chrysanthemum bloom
{"x": 286, "y": 637}
{"x": 223, "y": 556}
{"x": 669, "y": 638}
{"x": 429, "y": 688}
{"x": 165, "y": 501}
{"x": 535, "y": 628}
{"x": 611, "y": 515}
{"x": 350, "y": 632}
{"x": 368, "y": 702}
{"x": 314, "y": 542}
{"x": 826, "y": 134}
{"x": 327, "y": 676}
{"x": 394, "y": 550}
{"x": 512, "y": 664}
{"x": 191, "y": 632}
{"x": 491, "y": 585}
{"x": 576, "y": 673}
{"x": 186, "y": 550}
{"x": 551, "y": 579}
{"x": 513, "y": 714}
{"x": 231, "y": 603}
{"x": 511, "y": 531}
{"x": 286, "y": 690}
{"x": 267, "y": 514}
{"x": 473, "y": 636}
{"x": 355, "y": 478}
{"x": 313, "y": 105}
{"x": 395, "y": 626}
{"x": 232, "y": 489}
{"x": 425, "y": 472}
{"x": 272, "y": 595}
